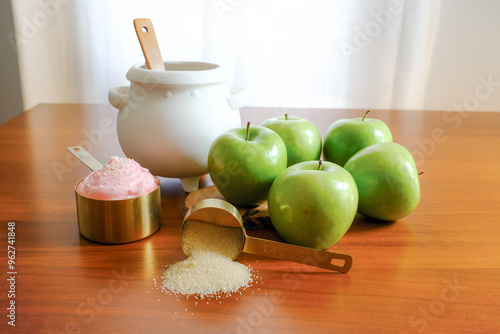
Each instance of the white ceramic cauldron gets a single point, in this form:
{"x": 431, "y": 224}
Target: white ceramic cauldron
{"x": 168, "y": 119}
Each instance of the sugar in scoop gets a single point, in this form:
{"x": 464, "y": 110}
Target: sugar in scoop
{"x": 209, "y": 268}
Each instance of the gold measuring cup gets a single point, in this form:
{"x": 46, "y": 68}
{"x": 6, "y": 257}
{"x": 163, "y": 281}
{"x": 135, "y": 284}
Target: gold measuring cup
{"x": 223, "y": 213}
{"x": 116, "y": 221}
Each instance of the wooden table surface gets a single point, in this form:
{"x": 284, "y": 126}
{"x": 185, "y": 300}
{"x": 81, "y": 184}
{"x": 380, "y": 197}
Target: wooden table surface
{"x": 435, "y": 271}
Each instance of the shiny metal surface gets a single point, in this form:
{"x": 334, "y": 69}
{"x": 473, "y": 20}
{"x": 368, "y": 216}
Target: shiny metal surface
{"x": 119, "y": 221}
{"x": 223, "y": 213}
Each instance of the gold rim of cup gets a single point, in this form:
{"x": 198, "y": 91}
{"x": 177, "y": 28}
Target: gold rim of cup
{"x": 119, "y": 221}
{"x": 215, "y": 211}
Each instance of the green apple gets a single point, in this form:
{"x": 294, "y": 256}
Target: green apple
{"x": 387, "y": 180}
{"x": 345, "y": 137}
{"x": 244, "y": 162}
{"x": 313, "y": 204}
{"x": 302, "y": 139}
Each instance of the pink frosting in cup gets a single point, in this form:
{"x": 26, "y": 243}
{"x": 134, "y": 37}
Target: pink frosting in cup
{"x": 120, "y": 178}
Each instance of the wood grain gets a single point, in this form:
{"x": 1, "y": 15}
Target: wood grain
{"x": 435, "y": 271}
{"x": 149, "y": 44}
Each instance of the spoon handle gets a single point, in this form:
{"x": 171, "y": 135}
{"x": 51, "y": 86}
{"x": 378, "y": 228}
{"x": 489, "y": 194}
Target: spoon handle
{"x": 299, "y": 254}
{"x": 149, "y": 44}
{"x": 88, "y": 160}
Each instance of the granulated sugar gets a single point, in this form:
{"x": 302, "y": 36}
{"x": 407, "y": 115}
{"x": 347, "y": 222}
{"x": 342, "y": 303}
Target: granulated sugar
{"x": 209, "y": 268}
{"x": 206, "y": 273}
{"x": 199, "y": 236}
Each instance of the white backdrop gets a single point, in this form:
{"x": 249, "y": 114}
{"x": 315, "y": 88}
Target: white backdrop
{"x": 442, "y": 54}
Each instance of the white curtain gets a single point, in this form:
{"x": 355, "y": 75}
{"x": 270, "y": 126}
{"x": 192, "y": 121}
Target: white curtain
{"x": 320, "y": 53}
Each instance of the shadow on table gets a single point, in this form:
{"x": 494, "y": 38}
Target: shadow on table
{"x": 362, "y": 223}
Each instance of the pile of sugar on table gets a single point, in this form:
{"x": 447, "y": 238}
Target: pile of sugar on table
{"x": 209, "y": 269}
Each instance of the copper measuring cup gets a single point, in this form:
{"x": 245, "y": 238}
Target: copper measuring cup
{"x": 115, "y": 221}
{"x": 223, "y": 213}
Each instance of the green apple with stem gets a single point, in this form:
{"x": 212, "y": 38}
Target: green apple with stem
{"x": 313, "y": 203}
{"x": 387, "y": 180}
{"x": 244, "y": 162}
{"x": 345, "y": 137}
{"x": 302, "y": 139}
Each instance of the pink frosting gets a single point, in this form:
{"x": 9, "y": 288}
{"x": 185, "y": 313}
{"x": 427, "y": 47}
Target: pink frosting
{"x": 120, "y": 178}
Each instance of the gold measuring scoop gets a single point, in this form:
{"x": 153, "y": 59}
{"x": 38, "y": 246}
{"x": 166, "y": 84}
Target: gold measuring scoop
{"x": 115, "y": 221}
{"x": 222, "y": 213}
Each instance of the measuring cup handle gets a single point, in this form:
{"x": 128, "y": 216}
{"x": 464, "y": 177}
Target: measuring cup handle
{"x": 299, "y": 254}
{"x": 85, "y": 157}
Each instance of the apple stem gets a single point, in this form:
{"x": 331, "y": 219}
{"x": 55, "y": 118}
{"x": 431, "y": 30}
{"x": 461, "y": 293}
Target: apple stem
{"x": 286, "y": 117}
{"x": 422, "y": 172}
{"x": 248, "y": 131}
{"x": 365, "y": 115}
{"x": 320, "y": 163}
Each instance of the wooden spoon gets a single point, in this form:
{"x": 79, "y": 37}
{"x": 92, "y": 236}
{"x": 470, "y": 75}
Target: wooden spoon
{"x": 149, "y": 44}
